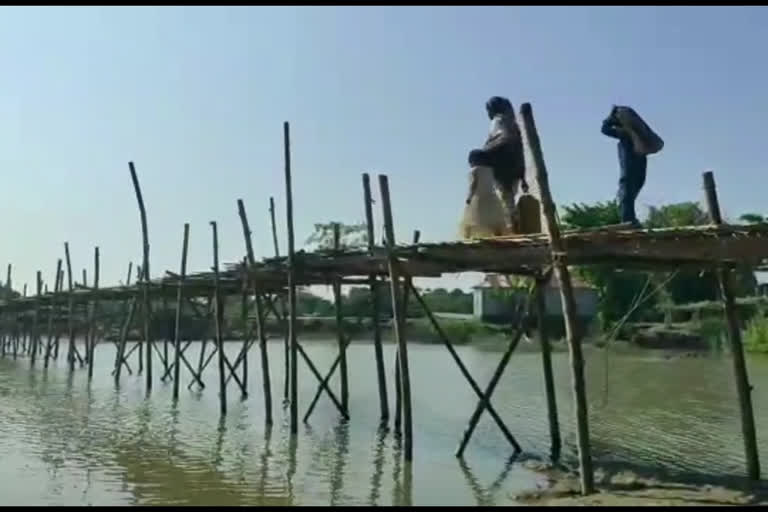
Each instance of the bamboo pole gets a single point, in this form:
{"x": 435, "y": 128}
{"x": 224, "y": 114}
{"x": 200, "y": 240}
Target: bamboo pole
{"x": 94, "y": 311}
{"x": 57, "y": 337}
{"x": 546, "y": 362}
{"x": 291, "y": 282}
{"x": 407, "y": 285}
{"x": 337, "y": 306}
{"x": 260, "y": 318}
{"x": 35, "y": 333}
{"x": 70, "y": 311}
{"x": 375, "y": 306}
{"x": 743, "y": 387}
{"x": 394, "y": 276}
{"x": 482, "y": 404}
{"x": 217, "y": 316}
{"x": 572, "y": 333}
{"x": 177, "y": 325}
{"x": 286, "y": 338}
{"x": 51, "y": 315}
{"x": 146, "y": 305}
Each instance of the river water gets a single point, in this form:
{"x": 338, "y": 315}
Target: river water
{"x": 67, "y": 443}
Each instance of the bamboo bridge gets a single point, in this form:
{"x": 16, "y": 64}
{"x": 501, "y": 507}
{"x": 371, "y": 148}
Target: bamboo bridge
{"x": 34, "y": 326}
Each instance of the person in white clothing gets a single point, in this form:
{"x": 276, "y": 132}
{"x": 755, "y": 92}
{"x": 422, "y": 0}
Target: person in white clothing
{"x": 485, "y": 214}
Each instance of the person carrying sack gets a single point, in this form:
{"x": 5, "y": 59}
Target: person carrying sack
{"x": 636, "y": 141}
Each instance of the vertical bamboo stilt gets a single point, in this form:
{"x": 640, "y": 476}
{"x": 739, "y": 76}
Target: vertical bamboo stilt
{"x": 177, "y": 325}
{"x": 375, "y": 307}
{"x": 337, "y": 305}
{"x": 35, "y": 321}
{"x": 743, "y": 387}
{"x": 218, "y": 318}
{"x": 394, "y": 276}
{"x": 572, "y": 333}
{"x": 57, "y": 337}
{"x": 70, "y": 311}
{"x": 291, "y": 283}
{"x": 260, "y": 317}
{"x": 52, "y": 309}
{"x": 94, "y": 311}
{"x": 286, "y": 338}
{"x": 398, "y": 383}
{"x": 546, "y": 361}
{"x": 146, "y": 304}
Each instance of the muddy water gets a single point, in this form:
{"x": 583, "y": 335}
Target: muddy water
{"x": 65, "y": 442}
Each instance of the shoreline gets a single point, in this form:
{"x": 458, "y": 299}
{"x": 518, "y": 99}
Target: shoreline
{"x": 622, "y": 486}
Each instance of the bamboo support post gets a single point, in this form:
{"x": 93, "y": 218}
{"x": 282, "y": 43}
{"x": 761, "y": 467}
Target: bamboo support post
{"x": 407, "y": 284}
{"x": 572, "y": 333}
{"x": 260, "y": 318}
{"x": 463, "y": 368}
{"x": 218, "y": 319}
{"x": 57, "y": 337}
{"x": 495, "y": 378}
{"x": 51, "y": 316}
{"x": 94, "y": 311}
{"x": 286, "y": 337}
{"x": 743, "y": 387}
{"x": 146, "y": 303}
{"x": 394, "y": 276}
{"x": 177, "y": 324}
{"x": 546, "y": 362}
{"x": 71, "y": 349}
{"x": 291, "y": 283}
{"x": 375, "y": 306}
{"x": 338, "y": 308}
{"x": 35, "y": 320}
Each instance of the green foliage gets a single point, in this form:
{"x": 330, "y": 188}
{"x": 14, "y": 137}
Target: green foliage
{"x": 617, "y": 289}
{"x": 351, "y": 236}
{"x": 752, "y": 218}
{"x": 756, "y": 334}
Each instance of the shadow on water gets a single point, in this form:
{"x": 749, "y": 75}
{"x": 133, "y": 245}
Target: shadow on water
{"x": 484, "y": 495}
{"x": 378, "y": 466}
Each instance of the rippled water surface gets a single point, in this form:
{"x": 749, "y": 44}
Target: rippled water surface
{"x": 64, "y": 442}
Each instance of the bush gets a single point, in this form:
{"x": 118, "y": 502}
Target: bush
{"x": 756, "y": 334}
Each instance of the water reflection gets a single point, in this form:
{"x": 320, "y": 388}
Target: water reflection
{"x": 68, "y": 443}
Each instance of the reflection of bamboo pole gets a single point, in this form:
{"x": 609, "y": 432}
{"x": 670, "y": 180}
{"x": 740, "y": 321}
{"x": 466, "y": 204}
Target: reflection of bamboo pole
{"x": 566, "y": 296}
{"x": 146, "y": 304}
{"x": 743, "y": 388}
{"x": 394, "y": 276}
{"x": 177, "y": 324}
{"x": 291, "y": 283}
{"x": 375, "y": 307}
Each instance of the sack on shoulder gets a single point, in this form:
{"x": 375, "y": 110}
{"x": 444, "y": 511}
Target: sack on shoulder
{"x": 644, "y": 140}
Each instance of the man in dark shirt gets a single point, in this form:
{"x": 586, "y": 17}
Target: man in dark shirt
{"x": 633, "y": 168}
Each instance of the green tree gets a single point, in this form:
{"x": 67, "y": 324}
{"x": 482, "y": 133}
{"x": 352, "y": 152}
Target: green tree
{"x": 752, "y": 218}
{"x": 351, "y": 236}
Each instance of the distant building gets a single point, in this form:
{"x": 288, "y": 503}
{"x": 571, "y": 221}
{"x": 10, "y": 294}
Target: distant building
{"x": 488, "y": 306}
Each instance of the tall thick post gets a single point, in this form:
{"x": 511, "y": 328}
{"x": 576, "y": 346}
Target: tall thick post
{"x": 743, "y": 387}
{"x": 94, "y": 312}
{"x": 36, "y": 319}
{"x": 177, "y": 324}
{"x": 375, "y": 307}
{"x": 572, "y": 333}
{"x": 291, "y": 283}
{"x": 546, "y": 362}
{"x": 394, "y": 276}
{"x": 284, "y": 321}
{"x": 337, "y": 304}
{"x": 260, "y": 316}
{"x": 71, "y": 349}
{"x": 146, "y": 305}
{"x": 217, "y": 319}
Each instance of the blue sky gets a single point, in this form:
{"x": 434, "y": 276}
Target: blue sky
{"x": 197, "y": 96}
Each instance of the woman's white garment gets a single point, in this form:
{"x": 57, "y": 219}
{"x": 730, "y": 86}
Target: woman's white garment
{"x": 485, "y": 215}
